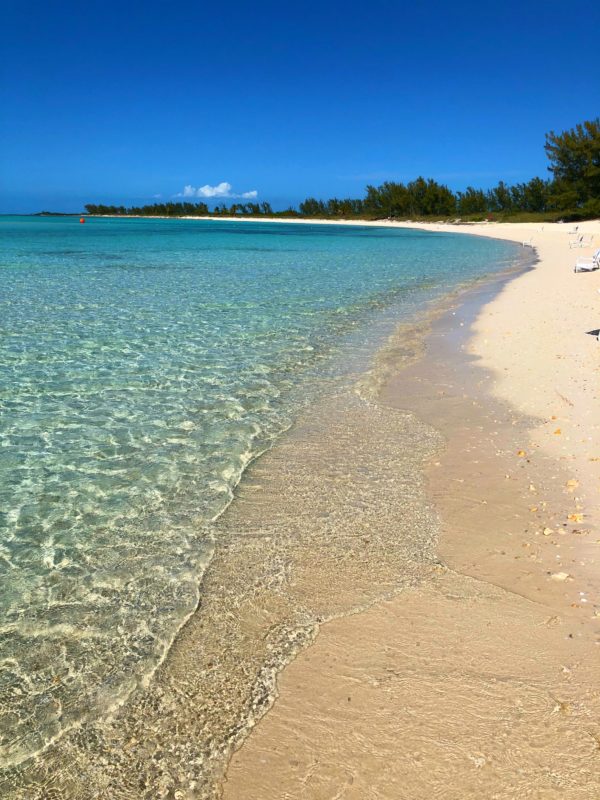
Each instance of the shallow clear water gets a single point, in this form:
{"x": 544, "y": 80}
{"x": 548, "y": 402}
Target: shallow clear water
{"x": 143, "y": 364}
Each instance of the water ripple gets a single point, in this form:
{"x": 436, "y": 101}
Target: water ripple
{"x": 143, "y": 364}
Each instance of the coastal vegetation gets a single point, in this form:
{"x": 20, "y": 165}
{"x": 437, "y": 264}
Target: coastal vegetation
{"x": 571, "y": 193}
{"x": 181, "y": 210}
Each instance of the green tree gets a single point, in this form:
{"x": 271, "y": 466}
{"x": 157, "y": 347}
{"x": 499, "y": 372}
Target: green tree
{"x": 500, "y": 198}
{"x": 574, "y": 157}
{"x": 532, "y": 196}
{"x": 471, "y": 201}
{"x": 312, "y": 208}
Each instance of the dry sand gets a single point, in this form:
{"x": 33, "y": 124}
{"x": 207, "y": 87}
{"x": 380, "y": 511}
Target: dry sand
{"x": 483, "y": 682}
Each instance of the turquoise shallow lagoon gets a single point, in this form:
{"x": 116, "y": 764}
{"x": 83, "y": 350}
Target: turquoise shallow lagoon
{"x": 143, "y": 364}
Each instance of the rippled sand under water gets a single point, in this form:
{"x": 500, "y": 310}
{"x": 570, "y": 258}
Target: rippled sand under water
{"x": 441, "y": 669}
{"x": 332, "y": 520}
{"x": 479, "y": 682}
{"x": 143, "y": 364}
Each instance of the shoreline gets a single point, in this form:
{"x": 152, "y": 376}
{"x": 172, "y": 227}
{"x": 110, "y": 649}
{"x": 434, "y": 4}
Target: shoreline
{"x": 496, "y": 229}
{"x": 270, "y": 572}
{"x": 280, "y": 600}
{"x": 540, "y": 574}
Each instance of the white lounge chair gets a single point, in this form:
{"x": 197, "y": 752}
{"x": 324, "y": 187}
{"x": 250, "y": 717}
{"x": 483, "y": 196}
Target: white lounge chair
{"x": 581, "y": 241}
{"x": 588, "y": 264}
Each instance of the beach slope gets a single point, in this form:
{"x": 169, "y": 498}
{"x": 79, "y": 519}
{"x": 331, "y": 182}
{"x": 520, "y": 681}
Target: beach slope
{"x": 481, "y": 682}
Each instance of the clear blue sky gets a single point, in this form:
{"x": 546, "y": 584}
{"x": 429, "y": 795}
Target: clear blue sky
{"x": 119, "y": 102}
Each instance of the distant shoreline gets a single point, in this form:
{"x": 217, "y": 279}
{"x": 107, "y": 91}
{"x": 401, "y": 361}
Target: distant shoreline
{"x": 383, "y": 221}
{"x": 524, "y": 231}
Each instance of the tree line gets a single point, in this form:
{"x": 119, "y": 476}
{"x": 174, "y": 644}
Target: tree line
{"x": 572, "y": 192}
{"x": 180, "y": 210}
{"x": 428, "y": 198}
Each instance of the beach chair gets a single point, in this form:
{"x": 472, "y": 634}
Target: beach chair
{"x": 588, "y": 264}
{"x": 528, "y": 242}
{"x": 581, "y": 241}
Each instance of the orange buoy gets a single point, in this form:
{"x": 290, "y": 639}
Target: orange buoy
{"x": 82, "y": 220}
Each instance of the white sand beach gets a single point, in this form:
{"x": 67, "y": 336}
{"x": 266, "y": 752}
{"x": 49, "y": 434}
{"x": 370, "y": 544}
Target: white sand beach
{"x": 483, "y": 683}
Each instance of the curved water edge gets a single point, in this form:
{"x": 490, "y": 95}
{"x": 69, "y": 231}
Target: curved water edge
{"x": 305, "y": 541}
{"x": 380, "y": 316}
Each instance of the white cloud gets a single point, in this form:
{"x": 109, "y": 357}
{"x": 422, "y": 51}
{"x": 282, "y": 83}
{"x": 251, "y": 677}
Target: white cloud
{"x": 188, "y": 191}
{"x": 222, "y": 189}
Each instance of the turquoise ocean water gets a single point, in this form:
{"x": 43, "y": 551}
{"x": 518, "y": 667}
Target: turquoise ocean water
{"x": 143, "y": 364}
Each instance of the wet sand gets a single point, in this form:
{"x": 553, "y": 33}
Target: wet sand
{"x": 331, "y": 521}
{"x": 436, "y": 639}
{"x": 482, "y": 680}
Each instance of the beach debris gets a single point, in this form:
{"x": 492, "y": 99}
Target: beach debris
{"x": 557, "y": 432}
{"x": 533, "y": 509}
{"x": 565, "y": 399}
{"x": 575, "y": 517}
{"x": 521, "y": 453}
{"x": 572, "y": 484}
{"x": 479, "y": 761}
{"x": 560, "y": 576}
{"x": 596, "y": 738}
{"x": 552, "y": 621}
{"x": 561, "y": 707}
{"x": 548, "y": 531}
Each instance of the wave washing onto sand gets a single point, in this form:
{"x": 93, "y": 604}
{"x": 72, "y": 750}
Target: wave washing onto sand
{"x": 331, "y": 520}
{"x": 321, "y": 492}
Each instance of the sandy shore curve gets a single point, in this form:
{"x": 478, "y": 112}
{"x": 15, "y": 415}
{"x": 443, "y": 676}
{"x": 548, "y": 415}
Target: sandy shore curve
{"x": 482, "y": 682}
